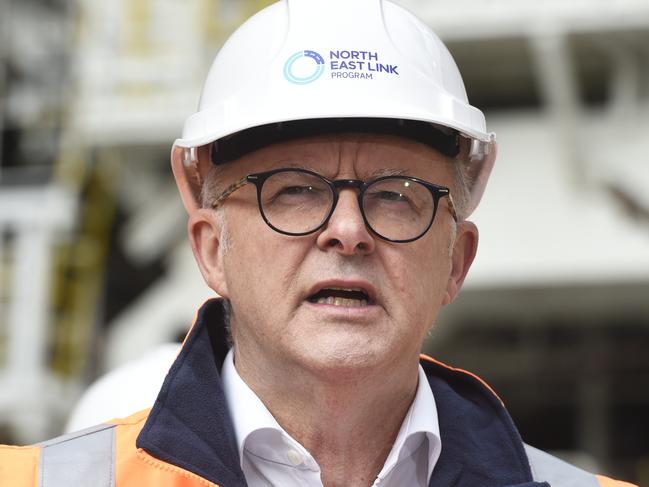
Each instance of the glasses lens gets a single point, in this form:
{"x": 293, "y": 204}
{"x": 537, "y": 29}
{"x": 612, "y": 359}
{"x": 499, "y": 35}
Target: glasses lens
{"x": 295, "y": 202}
{"x": 398, "y": 208}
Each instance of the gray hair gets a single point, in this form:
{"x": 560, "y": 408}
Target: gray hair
{"x": 211, "y": 186}
{"x": 462, "y": 189}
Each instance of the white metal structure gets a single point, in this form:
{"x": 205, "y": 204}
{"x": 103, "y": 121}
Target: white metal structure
{"x": 32, "y": 220}
{"x": 162, "y": 314}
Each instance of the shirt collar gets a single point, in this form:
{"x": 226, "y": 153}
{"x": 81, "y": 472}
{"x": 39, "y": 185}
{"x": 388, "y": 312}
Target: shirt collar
{"x": 259, "y": 432}
{"x": 420, "y": 424}
{"x": 256, "y": 430}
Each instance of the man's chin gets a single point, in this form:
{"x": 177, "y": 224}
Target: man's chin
{"x": 339, "y": 359}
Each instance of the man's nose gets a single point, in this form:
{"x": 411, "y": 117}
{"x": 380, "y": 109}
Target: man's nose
{"x": 346, "y": 231}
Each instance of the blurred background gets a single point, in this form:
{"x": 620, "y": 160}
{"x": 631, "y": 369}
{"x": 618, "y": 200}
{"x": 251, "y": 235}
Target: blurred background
{"x": 95, "y": 270}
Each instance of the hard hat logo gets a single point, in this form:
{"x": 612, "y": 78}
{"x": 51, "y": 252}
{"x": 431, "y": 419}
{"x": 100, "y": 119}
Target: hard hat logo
{"x": 304, "y": 67}
{"x": 358, "y": 64}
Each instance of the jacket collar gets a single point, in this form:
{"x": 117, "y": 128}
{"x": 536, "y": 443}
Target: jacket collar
{"x": 189, "y": 425}
{"x": 481, "y": 445}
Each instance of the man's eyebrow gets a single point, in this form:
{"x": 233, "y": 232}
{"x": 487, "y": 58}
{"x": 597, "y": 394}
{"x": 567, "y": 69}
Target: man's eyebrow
{"x": 293, "y": 163}
{"x": 385, "y": 171}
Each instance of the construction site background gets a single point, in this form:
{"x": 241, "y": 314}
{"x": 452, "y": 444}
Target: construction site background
{"x": 95, "y": 268}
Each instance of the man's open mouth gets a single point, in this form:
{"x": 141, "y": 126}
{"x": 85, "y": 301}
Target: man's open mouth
{"x": 336, "y": 296}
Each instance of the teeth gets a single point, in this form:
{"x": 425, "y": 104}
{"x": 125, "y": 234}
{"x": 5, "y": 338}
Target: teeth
{"x": 336, "y": 301}
{"x": 347, "y": 289}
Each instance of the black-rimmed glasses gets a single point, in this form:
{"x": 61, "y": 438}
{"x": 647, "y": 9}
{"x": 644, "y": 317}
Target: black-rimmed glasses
{"x": 299, "y": 202}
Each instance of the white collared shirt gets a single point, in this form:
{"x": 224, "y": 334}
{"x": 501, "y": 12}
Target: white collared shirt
{"x": 271, "y": 457}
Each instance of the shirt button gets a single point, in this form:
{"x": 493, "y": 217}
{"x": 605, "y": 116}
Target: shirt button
{"x": 294, "y": 457}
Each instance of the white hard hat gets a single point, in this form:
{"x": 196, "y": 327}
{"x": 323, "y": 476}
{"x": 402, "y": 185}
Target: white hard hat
{"x": 331, "y": 59}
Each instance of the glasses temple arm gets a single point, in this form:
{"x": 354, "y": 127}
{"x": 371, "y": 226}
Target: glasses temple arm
{"x": 451, "y": 207}
{"x": 228, "y": 191}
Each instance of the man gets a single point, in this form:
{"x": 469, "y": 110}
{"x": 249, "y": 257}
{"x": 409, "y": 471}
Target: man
{"x": 328, "y": 176}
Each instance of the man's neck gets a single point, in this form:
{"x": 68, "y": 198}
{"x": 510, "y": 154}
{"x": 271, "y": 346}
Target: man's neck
{"x": 348, "y": 426}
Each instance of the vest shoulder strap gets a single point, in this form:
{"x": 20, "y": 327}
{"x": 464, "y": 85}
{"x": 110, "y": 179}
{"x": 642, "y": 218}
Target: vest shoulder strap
{"x": 80, "y": 459}
{"x": 556, "y": 472}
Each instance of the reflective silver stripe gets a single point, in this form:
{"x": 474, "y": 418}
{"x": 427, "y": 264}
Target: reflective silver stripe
{"x": 82, "y": 459}
{"x": 556, "y": 472}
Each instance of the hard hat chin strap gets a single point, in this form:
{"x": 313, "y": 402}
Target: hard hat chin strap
{"x": 190, "y": 163}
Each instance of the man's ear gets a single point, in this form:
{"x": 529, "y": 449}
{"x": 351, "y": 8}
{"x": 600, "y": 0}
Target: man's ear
{"x": 204, "y": 228}
{"x": 464, "y": 250}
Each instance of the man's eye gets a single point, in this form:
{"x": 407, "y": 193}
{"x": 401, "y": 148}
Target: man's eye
{"x": 389, "y": 196}
{"x": 297, "y": 190}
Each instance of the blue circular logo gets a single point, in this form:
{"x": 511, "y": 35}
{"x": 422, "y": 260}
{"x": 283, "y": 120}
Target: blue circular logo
{"x": 318, "y": 68}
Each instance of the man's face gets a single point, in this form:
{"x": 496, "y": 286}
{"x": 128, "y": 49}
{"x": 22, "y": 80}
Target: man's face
{"x": 270, "y": 278}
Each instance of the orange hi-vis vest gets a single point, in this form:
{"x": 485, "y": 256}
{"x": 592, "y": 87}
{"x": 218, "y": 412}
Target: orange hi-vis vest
{"x": 187, "y": 438}
{"x": 101, "y": 456}
{"x": 106, "y": 456}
